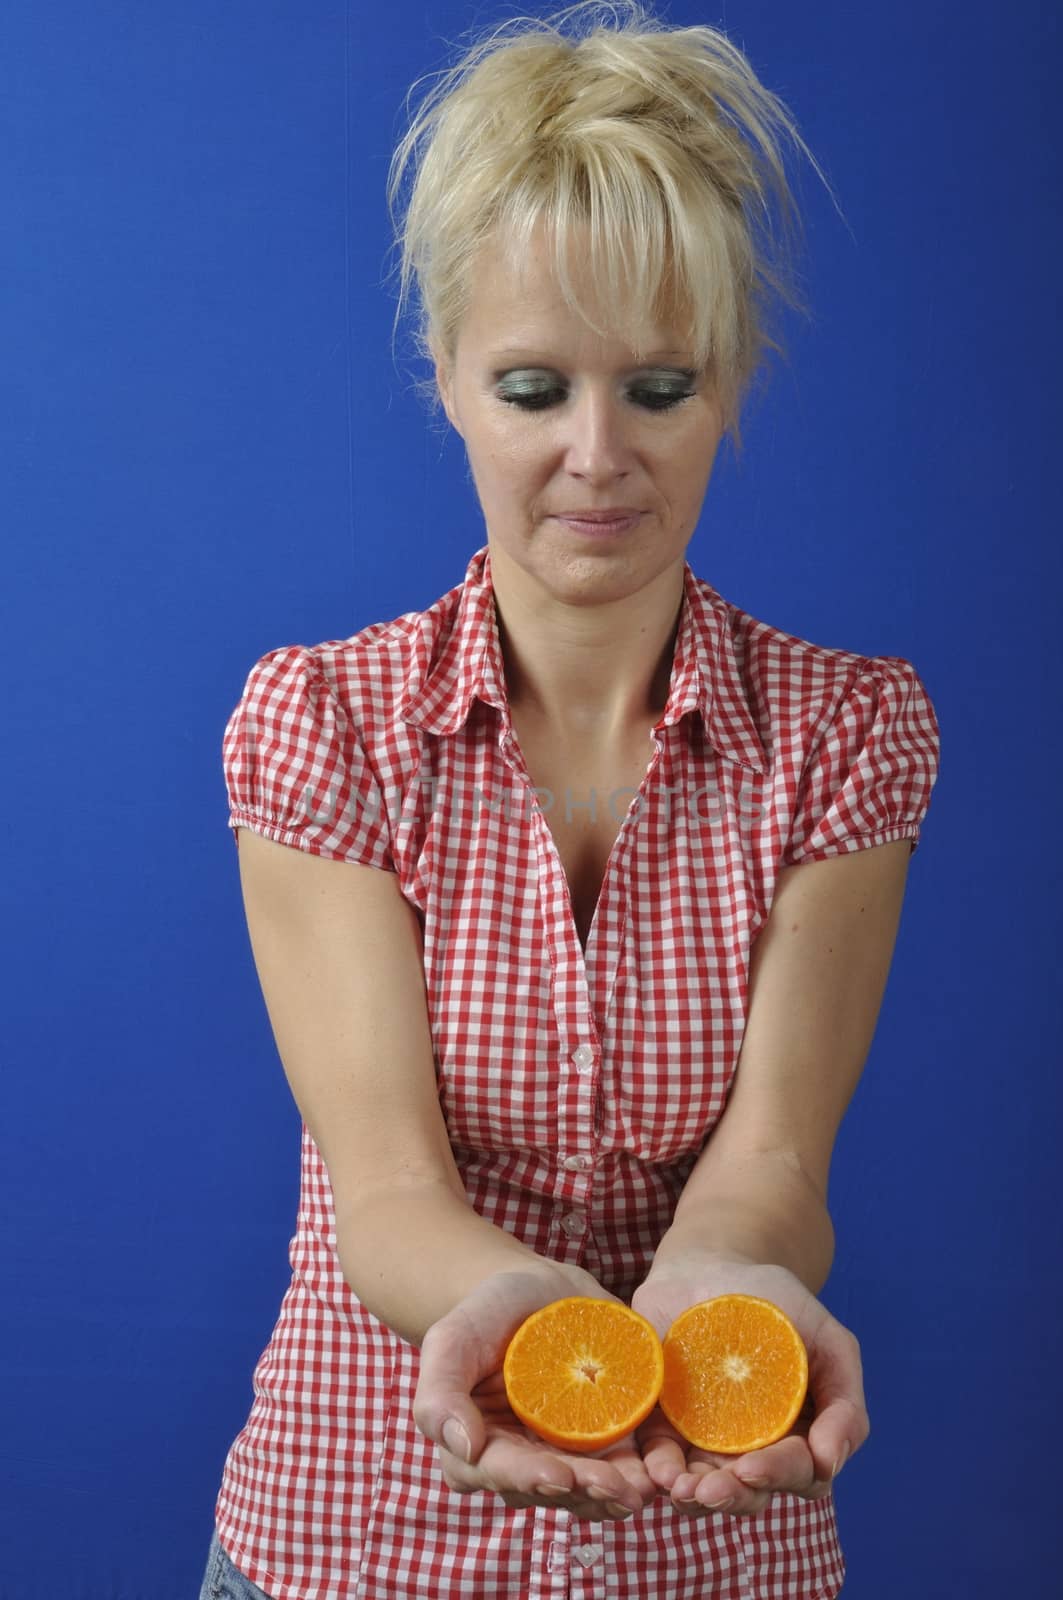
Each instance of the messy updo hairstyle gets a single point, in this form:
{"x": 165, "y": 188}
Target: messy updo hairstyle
{"x": 662, "y": 140}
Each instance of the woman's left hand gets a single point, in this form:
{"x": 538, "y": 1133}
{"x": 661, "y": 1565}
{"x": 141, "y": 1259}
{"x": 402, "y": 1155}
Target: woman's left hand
{"x": 461, "y": 1382}
{"x": 832, "y": 1426}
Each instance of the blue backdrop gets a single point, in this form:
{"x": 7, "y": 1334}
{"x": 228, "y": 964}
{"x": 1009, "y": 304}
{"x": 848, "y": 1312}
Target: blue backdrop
{"x": 209, "y": 451}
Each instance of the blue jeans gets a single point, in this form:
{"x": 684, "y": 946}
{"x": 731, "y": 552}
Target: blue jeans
{"x": 222, "y": 1581}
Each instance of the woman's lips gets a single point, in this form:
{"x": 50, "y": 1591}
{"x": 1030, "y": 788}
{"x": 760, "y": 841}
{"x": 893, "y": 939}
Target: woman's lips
{"x": 601, "y": 527}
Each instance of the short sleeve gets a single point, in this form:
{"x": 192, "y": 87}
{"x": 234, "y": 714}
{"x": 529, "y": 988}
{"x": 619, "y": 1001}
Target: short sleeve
{"x": 295, "y": 769}
{"x": 869, "y": 778}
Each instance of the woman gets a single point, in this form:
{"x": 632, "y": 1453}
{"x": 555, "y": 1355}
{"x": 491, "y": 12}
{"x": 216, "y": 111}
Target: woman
{"x": 573, "y": 897}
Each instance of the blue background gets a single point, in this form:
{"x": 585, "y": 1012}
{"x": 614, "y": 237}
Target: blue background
{"x": 210, "y": 451}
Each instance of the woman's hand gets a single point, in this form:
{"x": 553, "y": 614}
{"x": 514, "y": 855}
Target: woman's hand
{"x": 832, "y": 1426}
{"x": 461, "y": 1405}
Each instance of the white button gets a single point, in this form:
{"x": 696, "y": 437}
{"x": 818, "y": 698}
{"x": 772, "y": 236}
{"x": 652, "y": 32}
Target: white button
{"x": 583, "y": 1058}
{"x": 577, "y": 1163}
{"x": 574, "y": 1223}
{"x": 588, "y": 1554}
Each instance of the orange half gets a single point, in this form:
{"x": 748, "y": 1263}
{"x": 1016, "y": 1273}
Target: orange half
{"x": 582, "y": 1373}
{"x": 735, "y": 1374}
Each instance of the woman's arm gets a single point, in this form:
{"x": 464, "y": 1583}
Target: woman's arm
{"x": 753, "y": 1215}
{"x": 338, "y": 953}
{"x": 818, "y": 974}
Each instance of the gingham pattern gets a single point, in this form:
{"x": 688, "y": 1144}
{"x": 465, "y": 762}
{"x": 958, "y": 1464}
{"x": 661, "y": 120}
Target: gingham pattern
{"x": 577, "y": 1086}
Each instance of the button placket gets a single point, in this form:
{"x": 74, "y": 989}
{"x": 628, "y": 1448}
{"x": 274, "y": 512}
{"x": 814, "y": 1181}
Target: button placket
{"x": 591, "y": 1574}
{"x": 577, "y": 1135}
{"x": 583, "y": 1058}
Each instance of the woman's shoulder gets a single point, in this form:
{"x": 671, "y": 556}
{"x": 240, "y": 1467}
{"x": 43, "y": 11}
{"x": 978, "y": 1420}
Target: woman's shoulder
{"x": 791, "y": 673}
{"x": 318, "y": 737}
{"x": 368, "y": 672}
{"x": 813, "y": 705}
{"x": 851, "y": 740}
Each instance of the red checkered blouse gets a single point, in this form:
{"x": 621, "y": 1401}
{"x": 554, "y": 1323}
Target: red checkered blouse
{"x": 578, "y": 1085}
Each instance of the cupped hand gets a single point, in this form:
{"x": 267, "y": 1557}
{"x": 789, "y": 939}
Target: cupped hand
{"x": 461, "y": 1405}
{"x": 832, "y": 1426}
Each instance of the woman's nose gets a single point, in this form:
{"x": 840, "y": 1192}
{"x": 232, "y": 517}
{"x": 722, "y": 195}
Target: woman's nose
{"x": 597, "y": 435}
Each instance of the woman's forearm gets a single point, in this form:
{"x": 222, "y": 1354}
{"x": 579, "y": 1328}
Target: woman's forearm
{"x": 411, "y": 1252}
{"x": 762, "y": 1209}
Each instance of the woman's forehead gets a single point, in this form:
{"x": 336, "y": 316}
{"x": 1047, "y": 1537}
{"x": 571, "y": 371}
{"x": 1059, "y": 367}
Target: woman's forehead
{"x": 517, "y": 300}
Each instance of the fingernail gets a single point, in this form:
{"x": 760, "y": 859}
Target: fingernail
{"x": 721, "y": 1505}
{"x": 615, "y": 1509}
{"x": 752, "y": 1483}
{"x": 842, "y": 1459}
{"x": 456, "y": 1439}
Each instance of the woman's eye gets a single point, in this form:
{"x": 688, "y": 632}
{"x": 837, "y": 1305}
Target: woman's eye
{"x": 531, "y": 397}
{"x": 537, "y": 396}
{"x": 660, "y": 399}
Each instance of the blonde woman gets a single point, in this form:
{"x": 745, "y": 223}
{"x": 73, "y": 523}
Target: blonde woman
{"x": 572, "y": 897}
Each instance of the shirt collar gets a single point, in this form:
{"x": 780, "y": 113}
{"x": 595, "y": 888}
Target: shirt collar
{"x": 465, "y": 664}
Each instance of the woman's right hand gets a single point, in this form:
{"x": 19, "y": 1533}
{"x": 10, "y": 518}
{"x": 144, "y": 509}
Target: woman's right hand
{"x": 461, "y": 1405}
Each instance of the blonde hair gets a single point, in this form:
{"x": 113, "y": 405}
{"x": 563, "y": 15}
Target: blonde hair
{"x": 662, "y": 140}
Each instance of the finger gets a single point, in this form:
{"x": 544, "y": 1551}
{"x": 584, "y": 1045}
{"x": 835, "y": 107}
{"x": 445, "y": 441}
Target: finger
{"x": 627, "y": 1458}
{"x": 699, "y": 1465}
{"x": 817, "y": 1490}
{"x": 621, "y": 1492}
{"x": 452, "y": 1357}
{"x": 505, "y": 1469}
{"x": 709, "y": 1483}
{"x": 491, "y": 1389}
{"x": 581, "y": 1506}
{"x": 786, "y": 1467}
{"x": 512, "y": 1462}
{"x": 836, "y": 1381}
{"x": 712, "y": 1502}
{"x": 595, "y": 1501}
{"x": 664, "y": 1453}
{"x": 713, "y": 1488}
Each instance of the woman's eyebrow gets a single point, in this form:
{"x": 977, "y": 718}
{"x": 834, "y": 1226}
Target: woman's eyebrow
{"x": 530, "y": 358}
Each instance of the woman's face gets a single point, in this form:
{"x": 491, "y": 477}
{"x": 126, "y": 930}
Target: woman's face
{"x": 558, "y": 421}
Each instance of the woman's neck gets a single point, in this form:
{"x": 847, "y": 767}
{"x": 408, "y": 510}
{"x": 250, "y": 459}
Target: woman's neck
{"x": 593, "y": 672}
